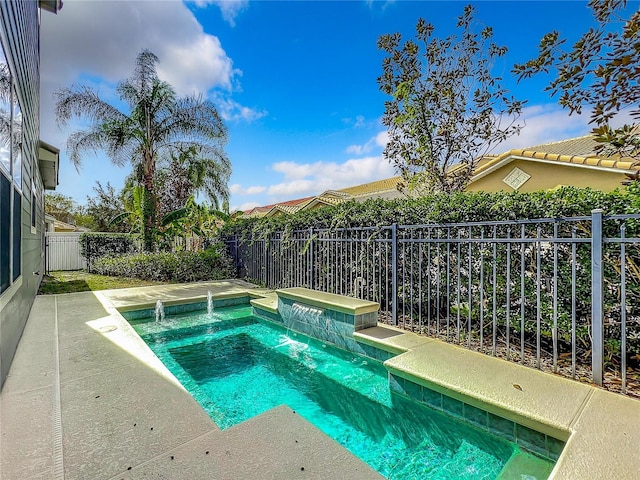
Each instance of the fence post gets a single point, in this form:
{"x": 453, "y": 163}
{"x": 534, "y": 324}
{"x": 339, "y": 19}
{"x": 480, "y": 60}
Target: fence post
{"x": 311, "y": 258}
{"x": 597, "y": 293}
{"x": 236, "y": 256}
{"x": 394, "y": 272}
{"x": 266, "y": 261}
{"x": 46, "y": 254}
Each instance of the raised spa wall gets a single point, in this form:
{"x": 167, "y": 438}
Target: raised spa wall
{"x": 331, "y": 318}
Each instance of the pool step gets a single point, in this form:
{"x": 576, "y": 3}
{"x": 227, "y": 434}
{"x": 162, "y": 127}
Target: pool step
{"x": 524, "y": 465}
{"x": 268, "y": 303}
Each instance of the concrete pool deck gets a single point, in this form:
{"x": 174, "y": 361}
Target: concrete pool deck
{"x": 86, "y": 399}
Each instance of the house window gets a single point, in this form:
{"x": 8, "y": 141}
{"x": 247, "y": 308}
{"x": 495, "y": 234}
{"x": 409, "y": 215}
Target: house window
{"x": 16, "y": 147}
{"x": 10, "y": 179}
{"x": 5, "y": 115}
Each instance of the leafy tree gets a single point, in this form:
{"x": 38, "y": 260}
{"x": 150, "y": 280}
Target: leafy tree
{"x": 600, "y": 71}
{"x": 60, "y": 206}
{"x": 157, "y": 122}
{"x": 185, "y": 174}
{"x": 132, "y": 215}
{"x": 447, "y": 106}
{"x": 104, "y": 206}
{"x": 66, "y": 209}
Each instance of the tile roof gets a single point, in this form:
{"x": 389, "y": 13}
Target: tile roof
{"x": 582, "y": 146}
{"x": 373, "y": 187}
{"x": 263, "y": 210}
{"x": 575, "y": 151}
{"x": 330, "y": 197}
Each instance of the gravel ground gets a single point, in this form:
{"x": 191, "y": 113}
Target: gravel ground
{"x": 612, "y": 375}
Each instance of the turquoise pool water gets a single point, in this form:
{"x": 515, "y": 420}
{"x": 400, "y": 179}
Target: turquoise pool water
{"x": 237, "y": 367}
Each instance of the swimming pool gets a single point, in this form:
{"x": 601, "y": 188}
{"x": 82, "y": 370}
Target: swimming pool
{"x": 237, "y": 366}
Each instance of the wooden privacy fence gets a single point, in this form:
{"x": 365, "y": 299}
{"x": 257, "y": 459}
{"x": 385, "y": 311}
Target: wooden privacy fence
{"x": 63, "y": 251}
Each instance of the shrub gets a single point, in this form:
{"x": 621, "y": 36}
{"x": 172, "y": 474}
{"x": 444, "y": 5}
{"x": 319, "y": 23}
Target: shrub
{"x": 446, "y": 208}
{"x": 94, "y": 246}
{"x": 211, "y": 264}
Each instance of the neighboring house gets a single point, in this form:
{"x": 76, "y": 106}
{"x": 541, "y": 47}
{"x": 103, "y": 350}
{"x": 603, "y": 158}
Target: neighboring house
{"x": 387, "y": 188}
{"x": 52, "y": 225}
{"x": 64, "y": 227}
{"x": 288, "y": 207}
{"x": 571, "y": 162}
{"x": 27, "y": 167}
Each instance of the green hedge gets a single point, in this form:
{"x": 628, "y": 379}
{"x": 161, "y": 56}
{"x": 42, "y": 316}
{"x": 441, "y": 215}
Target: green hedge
{"x": 445, "y": 208}
{"x": 211, "y": 264}
{"x": 94, "y": 246}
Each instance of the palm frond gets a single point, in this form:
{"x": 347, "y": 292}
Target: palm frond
{"x": 175, "y": 215}
{"x": 83, "y": 102}
{"x": 118, "y": 219}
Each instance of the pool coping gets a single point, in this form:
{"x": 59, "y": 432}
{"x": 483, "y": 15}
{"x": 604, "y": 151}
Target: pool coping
{"x": 339, "y": 303}
{"x": 603, "y": 433}
{"x": 601, "y": 428}
{"x": 556, "y": 406}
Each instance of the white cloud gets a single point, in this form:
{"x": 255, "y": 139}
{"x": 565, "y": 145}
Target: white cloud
{"x": 231, "y": 110}
{"x": 97, "y": 42}
{"x": 237, "y": 189}
{"x": 356, "y": 149}
{"x": 230, "y": 9}
{"x": 293, "y": 170}
{"x": 379, "y": 141}
{"x": 244, "y": 206}
{"x": 307, "y": 179}
{"x": 545, "y": 123}
{"x": 197, "y": 66}
{"x": 357, "y": 122}
{"x": 102, "y": 39}
{"x": 294, "y": 188}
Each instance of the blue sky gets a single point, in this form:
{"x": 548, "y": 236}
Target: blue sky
{"x": 295, "y": 81}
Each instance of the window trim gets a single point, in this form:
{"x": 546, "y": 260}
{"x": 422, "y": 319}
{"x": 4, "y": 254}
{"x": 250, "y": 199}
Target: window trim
{"x": 7, "y": 179}
{"x": 34, "y": 209}
{"x": 7, "y": 295}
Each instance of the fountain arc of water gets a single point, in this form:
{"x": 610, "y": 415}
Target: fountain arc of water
{"x": 159, "y": 311}
{"x": 209, "y": 303}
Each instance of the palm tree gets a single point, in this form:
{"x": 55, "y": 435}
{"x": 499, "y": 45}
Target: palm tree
{"x": 188, "y": 172}
{"x": 157, "y": 123}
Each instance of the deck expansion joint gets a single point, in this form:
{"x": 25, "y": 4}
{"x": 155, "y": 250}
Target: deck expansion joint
{"x": 58, "y": 455}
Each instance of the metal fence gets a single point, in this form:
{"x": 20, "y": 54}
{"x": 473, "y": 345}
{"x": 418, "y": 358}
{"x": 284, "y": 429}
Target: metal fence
{"x": 560, "y": 294}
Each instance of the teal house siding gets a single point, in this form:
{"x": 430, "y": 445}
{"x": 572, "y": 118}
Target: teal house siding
{"x": 21, "y": 184}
